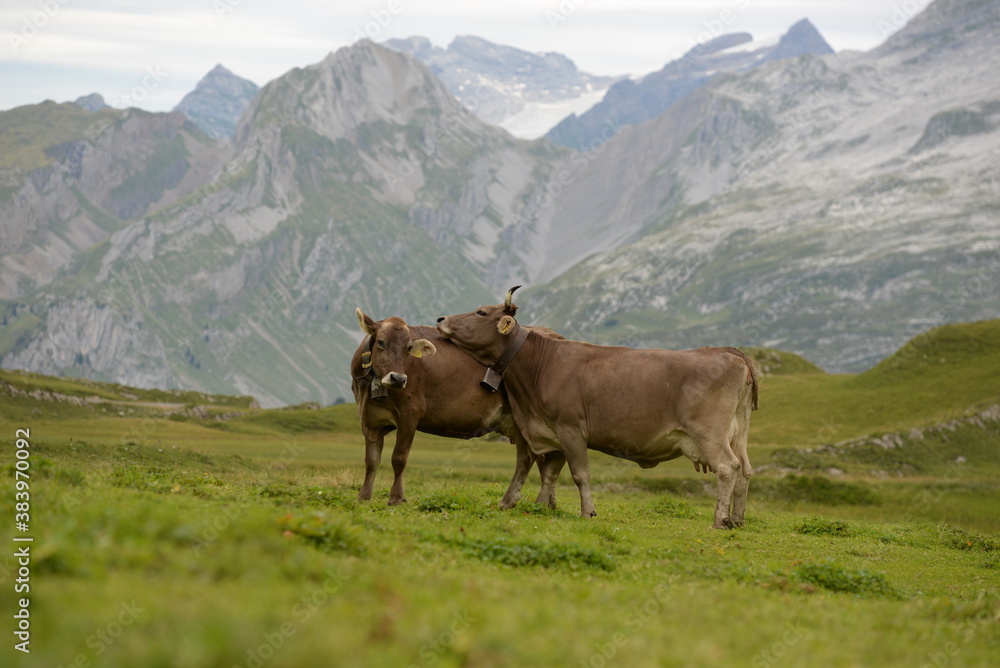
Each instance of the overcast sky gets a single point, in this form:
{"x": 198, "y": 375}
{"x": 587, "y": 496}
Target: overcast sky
{"x": 150, "y": 54}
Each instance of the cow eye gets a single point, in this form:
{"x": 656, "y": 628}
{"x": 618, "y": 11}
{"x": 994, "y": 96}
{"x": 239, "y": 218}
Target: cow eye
{"x": 381, "y": 343}
{"x": 409, "y": 348}
{"x": 480, "y": 312}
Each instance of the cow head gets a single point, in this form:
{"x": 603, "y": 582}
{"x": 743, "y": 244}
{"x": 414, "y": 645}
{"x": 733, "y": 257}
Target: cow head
{"x": 485, "y": 332}
{"x": 391, "y": 343}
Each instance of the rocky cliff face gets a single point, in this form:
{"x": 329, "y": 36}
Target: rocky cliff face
{"x": 103, "y": 169}
{"x": 83, "y": 335}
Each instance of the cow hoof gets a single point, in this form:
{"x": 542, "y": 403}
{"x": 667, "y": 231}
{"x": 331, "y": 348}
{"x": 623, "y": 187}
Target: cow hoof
{"x": 726, "y": 523}
{"x": 592, "y": 513}
{"x": 509, "y": 501}
{"x": 396, "y": 502}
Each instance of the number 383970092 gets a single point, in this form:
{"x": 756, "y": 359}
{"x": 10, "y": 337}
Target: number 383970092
{"x": 21, "y": 476}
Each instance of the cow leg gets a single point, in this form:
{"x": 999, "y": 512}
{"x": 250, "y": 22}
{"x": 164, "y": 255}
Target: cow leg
{"x": 740, "y": 496}
{"x": 522, "y": 466}
{"x": 728, "y": 472}
{"x": 728, "y": 469}
{"x": 549, "y": 470}
{"x": 400, "y": 455}
{"x": 746, "y": 471}
{"x": 575, "y": 451}
{"x": 373, "y": 456}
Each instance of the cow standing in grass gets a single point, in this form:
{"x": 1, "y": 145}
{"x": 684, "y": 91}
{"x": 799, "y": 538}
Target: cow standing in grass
{"x": 647, "y": 406}
{"x": 410, "y": 379}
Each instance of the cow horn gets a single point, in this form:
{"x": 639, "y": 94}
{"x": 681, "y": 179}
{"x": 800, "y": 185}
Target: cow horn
{"x": 508, "y": 302}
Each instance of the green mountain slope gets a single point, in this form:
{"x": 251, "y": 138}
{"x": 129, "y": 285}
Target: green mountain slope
{"x": 70, "y": 178}
{"x": 28, "y": 133}
{"x": 942, "y": 380}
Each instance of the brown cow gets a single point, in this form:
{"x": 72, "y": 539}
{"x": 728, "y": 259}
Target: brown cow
{"x": 409, "y": 379}
{"x": 647, "y": 406}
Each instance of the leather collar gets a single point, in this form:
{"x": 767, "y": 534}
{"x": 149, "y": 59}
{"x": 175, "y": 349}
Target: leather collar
{"x": 494, "y": 375}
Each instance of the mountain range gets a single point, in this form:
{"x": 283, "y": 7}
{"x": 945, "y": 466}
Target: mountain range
{"x": 832, "y": 205}
{"x": 829, "y": 205}
{"x": 504, "y": 85}
{"x": 236, "y": 264}
{"x": 631, "y": 101}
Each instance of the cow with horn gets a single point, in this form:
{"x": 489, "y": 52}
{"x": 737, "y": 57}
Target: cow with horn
{"x": 410, "y": 379}
{"x": 648, "y": 406}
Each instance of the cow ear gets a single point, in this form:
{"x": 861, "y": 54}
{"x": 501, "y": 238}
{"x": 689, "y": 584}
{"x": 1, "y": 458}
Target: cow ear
{"x": 506, "y": 324}
{"x": 422, "y": 347}
{"x": 367, "y": 325}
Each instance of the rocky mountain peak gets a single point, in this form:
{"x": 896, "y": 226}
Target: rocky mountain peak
{"x": 504, "y": 61}
{"x": 93, "y": 102}
{"x": 350, "y": 88}
{"x": 217, "y": 101}
{"x": 628, "y": 102}
{"x": 417, "y": 46}
{"x": 801, "y": 38}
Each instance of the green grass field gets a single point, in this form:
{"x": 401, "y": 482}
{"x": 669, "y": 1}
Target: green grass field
{"x": 175, "y": 529}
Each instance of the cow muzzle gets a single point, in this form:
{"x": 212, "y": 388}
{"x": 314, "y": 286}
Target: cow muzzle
{"x": 394, "y": 380}
{"x": 442, "y": 326}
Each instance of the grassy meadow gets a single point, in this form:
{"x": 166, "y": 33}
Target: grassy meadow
{"x": 179, "y": 529}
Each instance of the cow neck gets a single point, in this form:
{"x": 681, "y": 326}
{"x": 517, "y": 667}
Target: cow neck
{"x": 494, "y": 375}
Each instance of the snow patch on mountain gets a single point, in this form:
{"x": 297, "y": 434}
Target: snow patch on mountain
{"x": 537, "y": 118}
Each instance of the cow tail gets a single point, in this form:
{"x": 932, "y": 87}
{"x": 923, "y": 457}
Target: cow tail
{"x": 752, "y": 378}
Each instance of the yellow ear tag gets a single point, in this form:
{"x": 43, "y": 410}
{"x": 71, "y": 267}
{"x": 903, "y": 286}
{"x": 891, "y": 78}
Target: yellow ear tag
{"x": 417, "y": 353}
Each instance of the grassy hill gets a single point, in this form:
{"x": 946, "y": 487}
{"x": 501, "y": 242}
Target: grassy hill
{"x": 176, "y": 528}
{"x": 772, "y": 362}
{"x": 26, "y": 132}
{"x": 940, "y": 375}
{"x": 35, "y": 394}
